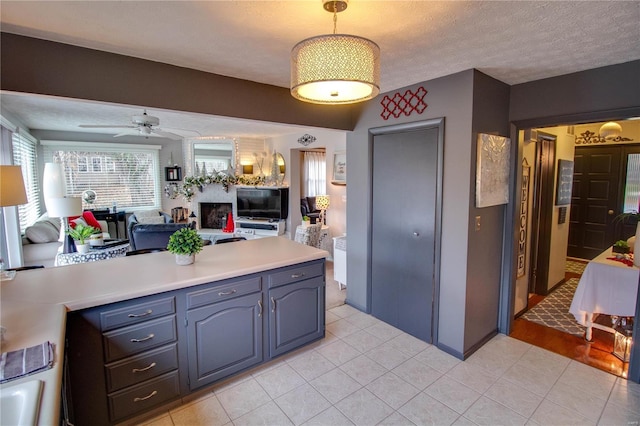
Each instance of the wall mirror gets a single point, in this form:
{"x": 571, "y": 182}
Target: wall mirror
{"x": 205, "y": 156}
{"x": 282, "y": 168}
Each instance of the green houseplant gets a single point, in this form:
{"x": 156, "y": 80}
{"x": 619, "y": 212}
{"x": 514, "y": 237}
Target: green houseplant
{"x": 185, "y": 243}
{"x": 621, "y": 246}
{"x": 80, "y": 233}
{"x": 631, "y": 218}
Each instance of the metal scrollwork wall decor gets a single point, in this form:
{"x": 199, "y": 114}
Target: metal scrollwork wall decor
{"x": 306, "y": 139}
{"x": 403, "y": 104}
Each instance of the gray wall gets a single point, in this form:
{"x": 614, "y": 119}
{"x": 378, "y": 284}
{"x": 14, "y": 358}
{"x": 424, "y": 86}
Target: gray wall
{"x": 450, "y": 97}
{"x": 44, "y": 67}
{"x": 490, "y": 115}
{"x": 586, "y": 93}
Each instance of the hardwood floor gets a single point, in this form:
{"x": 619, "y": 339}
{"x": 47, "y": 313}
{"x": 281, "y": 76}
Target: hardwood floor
{"x": 597, "y": 353}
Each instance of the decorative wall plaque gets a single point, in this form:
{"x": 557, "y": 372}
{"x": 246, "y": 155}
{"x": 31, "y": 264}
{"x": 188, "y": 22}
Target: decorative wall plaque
{"x": 403, "y": 104}
{"x": 306, "y": 139}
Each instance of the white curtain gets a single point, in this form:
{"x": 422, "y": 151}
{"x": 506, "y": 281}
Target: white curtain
{"x": 315, "y": 173}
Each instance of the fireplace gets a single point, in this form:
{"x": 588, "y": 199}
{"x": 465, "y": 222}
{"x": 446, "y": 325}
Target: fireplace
{"x": 214, "y": 215}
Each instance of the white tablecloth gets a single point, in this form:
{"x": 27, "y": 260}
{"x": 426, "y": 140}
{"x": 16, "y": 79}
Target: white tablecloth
{"x": 606, "y": 287}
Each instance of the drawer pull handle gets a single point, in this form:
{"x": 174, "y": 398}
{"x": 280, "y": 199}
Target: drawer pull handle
{"x": 144, "y": 339}
{"x": 144, "y": 314}
{"x": 300, "y": 275}
{"x": 144, "y": 398}
{"x": 260, "y": 306}
{"x": 226, "y": 293}
{"x": 273, "y": 304}
{"x": 140, "y": 370}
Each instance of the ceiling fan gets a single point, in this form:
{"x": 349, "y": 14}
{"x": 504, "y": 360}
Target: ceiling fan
{"x": 141, "y": 125}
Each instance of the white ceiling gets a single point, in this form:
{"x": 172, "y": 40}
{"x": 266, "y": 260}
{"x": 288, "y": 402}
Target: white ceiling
{"x": 512, "y": 41}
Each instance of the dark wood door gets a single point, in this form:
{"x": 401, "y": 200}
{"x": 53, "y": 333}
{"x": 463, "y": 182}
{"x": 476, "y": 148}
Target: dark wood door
{"x": 595, "y": 201}
{"x": 405, "y": 171}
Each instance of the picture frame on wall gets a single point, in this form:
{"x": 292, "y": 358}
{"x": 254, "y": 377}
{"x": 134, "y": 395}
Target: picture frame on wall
{"x": 565, "y": 182}
{"x": 492, "y": 170}
{"x": 339, "y": 168}
{"x": 173, "y": 174}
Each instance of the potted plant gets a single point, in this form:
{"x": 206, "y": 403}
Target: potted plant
{"x": 81, "y": 233}
{"x": 185, "y": 243}
{"x": 632, "y": 218}
{"x": 306, "y": 221}
{"x": 621, "y": 246}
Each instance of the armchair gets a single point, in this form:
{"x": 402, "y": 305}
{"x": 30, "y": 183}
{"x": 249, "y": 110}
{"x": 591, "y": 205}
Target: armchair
{"x": 308, "y": 208}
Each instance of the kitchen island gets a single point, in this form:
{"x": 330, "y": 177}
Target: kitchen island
{"x": 264, "y": 285}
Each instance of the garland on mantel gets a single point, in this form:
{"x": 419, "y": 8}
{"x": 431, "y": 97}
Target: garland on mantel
{"x": 190, "y": 183}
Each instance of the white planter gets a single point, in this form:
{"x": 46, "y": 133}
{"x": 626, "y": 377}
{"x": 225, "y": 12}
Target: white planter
{"x": 82, "y": 248}
{"x": 306, "y": 223}
{"x": 185, "y": 259}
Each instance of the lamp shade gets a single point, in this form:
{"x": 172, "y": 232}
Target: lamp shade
{"x": 12, "y": 192}
{"x": 64, "y": 206}
{"x": 53, "y": 184}
{"x": 335, "y": 69}
{"x": 610, "y": 129}
{"x": 322, "y": 202}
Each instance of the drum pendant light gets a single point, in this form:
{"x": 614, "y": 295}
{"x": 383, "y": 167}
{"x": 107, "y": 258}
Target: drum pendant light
{"x": 335, "y": 68}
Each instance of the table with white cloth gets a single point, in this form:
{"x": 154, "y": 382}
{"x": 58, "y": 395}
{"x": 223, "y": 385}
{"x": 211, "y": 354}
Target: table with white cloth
{"x": 606, "y": 287}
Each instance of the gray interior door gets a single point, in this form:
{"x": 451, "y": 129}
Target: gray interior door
{"x": 405, "y": 180}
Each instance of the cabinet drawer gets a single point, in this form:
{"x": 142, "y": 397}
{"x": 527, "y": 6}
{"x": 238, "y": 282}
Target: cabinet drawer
{"x": 143, "y": 396}
{"x": 131, "y": 340}
{"x": 296, "y": 273}
{"x": 139, "y": 368}
{"x": 136, "y": 313}
{"x": 223, "y": 292}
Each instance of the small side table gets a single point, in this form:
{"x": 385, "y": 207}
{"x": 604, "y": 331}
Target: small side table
{"x": 110, "y": 217}
{"x": 93, "y": 255}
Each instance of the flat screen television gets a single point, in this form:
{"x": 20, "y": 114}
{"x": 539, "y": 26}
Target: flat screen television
{"x": 263, "y": 203}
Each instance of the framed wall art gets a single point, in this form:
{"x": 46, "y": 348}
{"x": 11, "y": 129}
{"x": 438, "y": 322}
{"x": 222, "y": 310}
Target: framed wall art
{"x": 492, "y": 170}
{"x": 565, "y": 182}
{"x": 339, "y": 168}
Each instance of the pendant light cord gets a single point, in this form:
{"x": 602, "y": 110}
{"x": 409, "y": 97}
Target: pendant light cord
{"x": 335, "y": 16}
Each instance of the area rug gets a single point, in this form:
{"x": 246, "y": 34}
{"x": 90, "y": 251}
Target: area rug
{"x": 553, "y": 311}
{"x": 575, "y": 267}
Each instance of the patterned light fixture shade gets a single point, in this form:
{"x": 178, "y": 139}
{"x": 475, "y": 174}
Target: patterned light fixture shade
{"x": 335, "y": 68}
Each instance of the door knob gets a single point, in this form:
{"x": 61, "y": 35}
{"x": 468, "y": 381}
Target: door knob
{"x": 416, "y": 234}
{"x": 610, "y": 212}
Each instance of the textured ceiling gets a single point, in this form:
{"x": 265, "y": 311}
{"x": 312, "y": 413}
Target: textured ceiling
{"x": 513, "y": 41}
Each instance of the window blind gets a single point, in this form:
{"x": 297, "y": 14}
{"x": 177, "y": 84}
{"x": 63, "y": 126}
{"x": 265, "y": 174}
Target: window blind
{"x": 25, "y": 155}
{"x": 126, "y": 176}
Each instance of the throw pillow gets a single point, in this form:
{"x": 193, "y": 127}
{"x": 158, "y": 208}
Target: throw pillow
{"x": 41, "y": 232}
{"x": 146, "y": 213}
{"x": 91, "y": 220}
{"x": 151, "y": 220}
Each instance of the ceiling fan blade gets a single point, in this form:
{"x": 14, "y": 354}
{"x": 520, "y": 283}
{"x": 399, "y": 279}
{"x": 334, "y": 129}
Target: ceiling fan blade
{"x": 169, "y": 135}
{"x": 108, "y": 126}
{"x": 127, "y": 133}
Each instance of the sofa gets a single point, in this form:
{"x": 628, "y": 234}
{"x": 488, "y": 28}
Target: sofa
{"x": 151, "y": 229}
{"x": 41, "y": 241}
{"x": 308, "y": 208}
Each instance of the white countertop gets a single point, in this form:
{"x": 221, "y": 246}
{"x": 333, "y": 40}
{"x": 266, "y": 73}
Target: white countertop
{"x": 35, "y": 302}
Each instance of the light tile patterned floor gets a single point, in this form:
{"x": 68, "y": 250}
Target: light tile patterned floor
{"x": 366, "y": 372}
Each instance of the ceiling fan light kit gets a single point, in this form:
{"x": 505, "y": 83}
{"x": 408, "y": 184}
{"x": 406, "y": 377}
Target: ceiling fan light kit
{"x": 335, "y": 68}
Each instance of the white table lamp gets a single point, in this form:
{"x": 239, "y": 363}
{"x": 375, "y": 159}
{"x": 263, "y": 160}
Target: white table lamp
{"x": 65, "y": 207}
{"x": 12, "y": 193}
{"x": 322, "y": 203}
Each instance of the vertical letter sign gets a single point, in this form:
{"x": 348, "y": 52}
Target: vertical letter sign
{"x": 524, "y": 218}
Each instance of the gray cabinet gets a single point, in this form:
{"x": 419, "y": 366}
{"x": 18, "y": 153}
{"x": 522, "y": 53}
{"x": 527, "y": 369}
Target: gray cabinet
{"x": 296, "y": 307}
{"x": 123, "y": 359}
{"x": 133, "y": 356}
{"x": 224, "y": 338}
